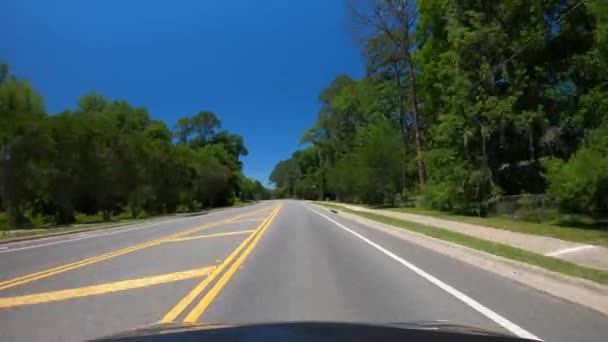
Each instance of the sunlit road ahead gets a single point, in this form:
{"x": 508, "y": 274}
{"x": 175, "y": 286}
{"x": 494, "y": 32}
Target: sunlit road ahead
{"x": 273, "y": 261}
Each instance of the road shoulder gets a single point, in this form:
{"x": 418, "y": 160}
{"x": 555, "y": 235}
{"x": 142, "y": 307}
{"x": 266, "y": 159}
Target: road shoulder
{"x": 575, "y": 290}
{"x": 583, "y": 254}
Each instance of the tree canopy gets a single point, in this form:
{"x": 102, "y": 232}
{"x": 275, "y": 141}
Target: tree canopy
{"x": 107, "y": 156}
{"x": 463, "y": 102}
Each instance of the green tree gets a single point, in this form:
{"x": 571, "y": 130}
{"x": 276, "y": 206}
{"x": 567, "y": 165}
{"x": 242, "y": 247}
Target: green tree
{"x": 487, "y": 99}
{"x": 108, "y": 157}
{"x": 21, "y": 112}
{"x": 581, "y": 183}
{"x": 394, "y": 21}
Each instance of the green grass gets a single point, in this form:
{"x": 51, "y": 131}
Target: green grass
{"x": 87, "y": 219}
{"x": 587, "y": 235}
{"x": 3, "y": 220}
{"x": 506, "y": 251}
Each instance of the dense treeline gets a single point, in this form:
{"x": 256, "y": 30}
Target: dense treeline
{"x": 109, "y": 157}
{"x": 464, "y": 102}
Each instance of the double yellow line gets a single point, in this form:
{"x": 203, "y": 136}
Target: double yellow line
{"x": 100, "y": 289}
{"x": 247, "y": 245}
{"x": 84, "y": 262}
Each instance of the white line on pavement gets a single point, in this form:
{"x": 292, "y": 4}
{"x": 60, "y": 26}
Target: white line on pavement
{"x": 505, "y": 323}
{"x": 569, "y": 250}
{"x": 41, "y": 245}
{"x": 83, "y": 237}
{"x": 90, "y": 235}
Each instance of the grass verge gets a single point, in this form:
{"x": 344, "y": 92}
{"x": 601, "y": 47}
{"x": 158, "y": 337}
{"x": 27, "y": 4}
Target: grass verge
{"x": 506, "y": 251}
{"x": 587, "y": 235}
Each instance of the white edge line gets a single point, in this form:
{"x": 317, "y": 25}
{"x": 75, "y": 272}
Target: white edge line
{"x": 41, "y": 245}
{"x": 505, "y": 323}
{"x": 569, "y": 250}
{"x": 116, "y": 230}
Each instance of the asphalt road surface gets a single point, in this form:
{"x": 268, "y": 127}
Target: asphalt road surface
{"x": 273, "y": 261}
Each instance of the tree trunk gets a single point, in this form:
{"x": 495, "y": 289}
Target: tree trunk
{"x": 322, "y": 186}
{"x": 401, "y": 125}
{"x": 483, "y": 142}
{"x": 417, "y": 129}
{"x": 531, "y": 143}
{"x": 322, "y": 163}
{"x": 405, "y": 22}
{"x": 66, "y": 213}
{"x": 484, "y": 156}
{"x": 15, "y": 216}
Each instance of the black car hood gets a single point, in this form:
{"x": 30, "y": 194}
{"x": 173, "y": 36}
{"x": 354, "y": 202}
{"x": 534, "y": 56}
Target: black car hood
{"x": 311, "y": 331}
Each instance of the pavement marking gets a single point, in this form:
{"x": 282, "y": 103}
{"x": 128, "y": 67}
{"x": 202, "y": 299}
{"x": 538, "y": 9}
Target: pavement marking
{"x": 207, "y": 236}
{"x": 3, "y": 247}
{"x": 89, "y": 236}
{"x": 100, "y": 289}
{"x": 115, "y": 230}
{"x": 44, "y": 244}
{"x": 84, "y": 262}
{"x": 191, "y": 296}
{"x": 569, "y": 250}
{"x": 510, "y": 326}
{"x": 249, "y": 220}
{"x": 200, "y": 308}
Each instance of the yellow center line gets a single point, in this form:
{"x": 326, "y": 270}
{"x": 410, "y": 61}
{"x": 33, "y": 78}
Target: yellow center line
{"x": 261, "y": 211}
{"x": 100, "y": 289}
{"x": 207, "y": 236}
{"x": 200, "y": 308}
{"x": 256, "y": 219}
{"x": 84, "y": 262}
{"x": 191, "y": 296}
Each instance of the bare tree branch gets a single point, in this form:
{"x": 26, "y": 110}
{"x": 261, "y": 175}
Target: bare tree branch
{"x": 396, "y": 20}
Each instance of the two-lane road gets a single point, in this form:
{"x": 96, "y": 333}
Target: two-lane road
{"x": 273, "y": 261}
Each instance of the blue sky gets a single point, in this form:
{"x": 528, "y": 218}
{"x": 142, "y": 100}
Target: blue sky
{"x": 259, "y": 65}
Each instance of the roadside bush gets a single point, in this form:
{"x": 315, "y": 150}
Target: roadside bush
{"x": 581, "y": 184}
{"x": 439, "y": 196}
{"x": 537, "y": 215}
{"x": 3, "y": 221}
{"x": 580, "y": 221}
{"x": 456, "y": 186}
{"x": 84, "y": 218}
{"x": 535, "y": 208}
